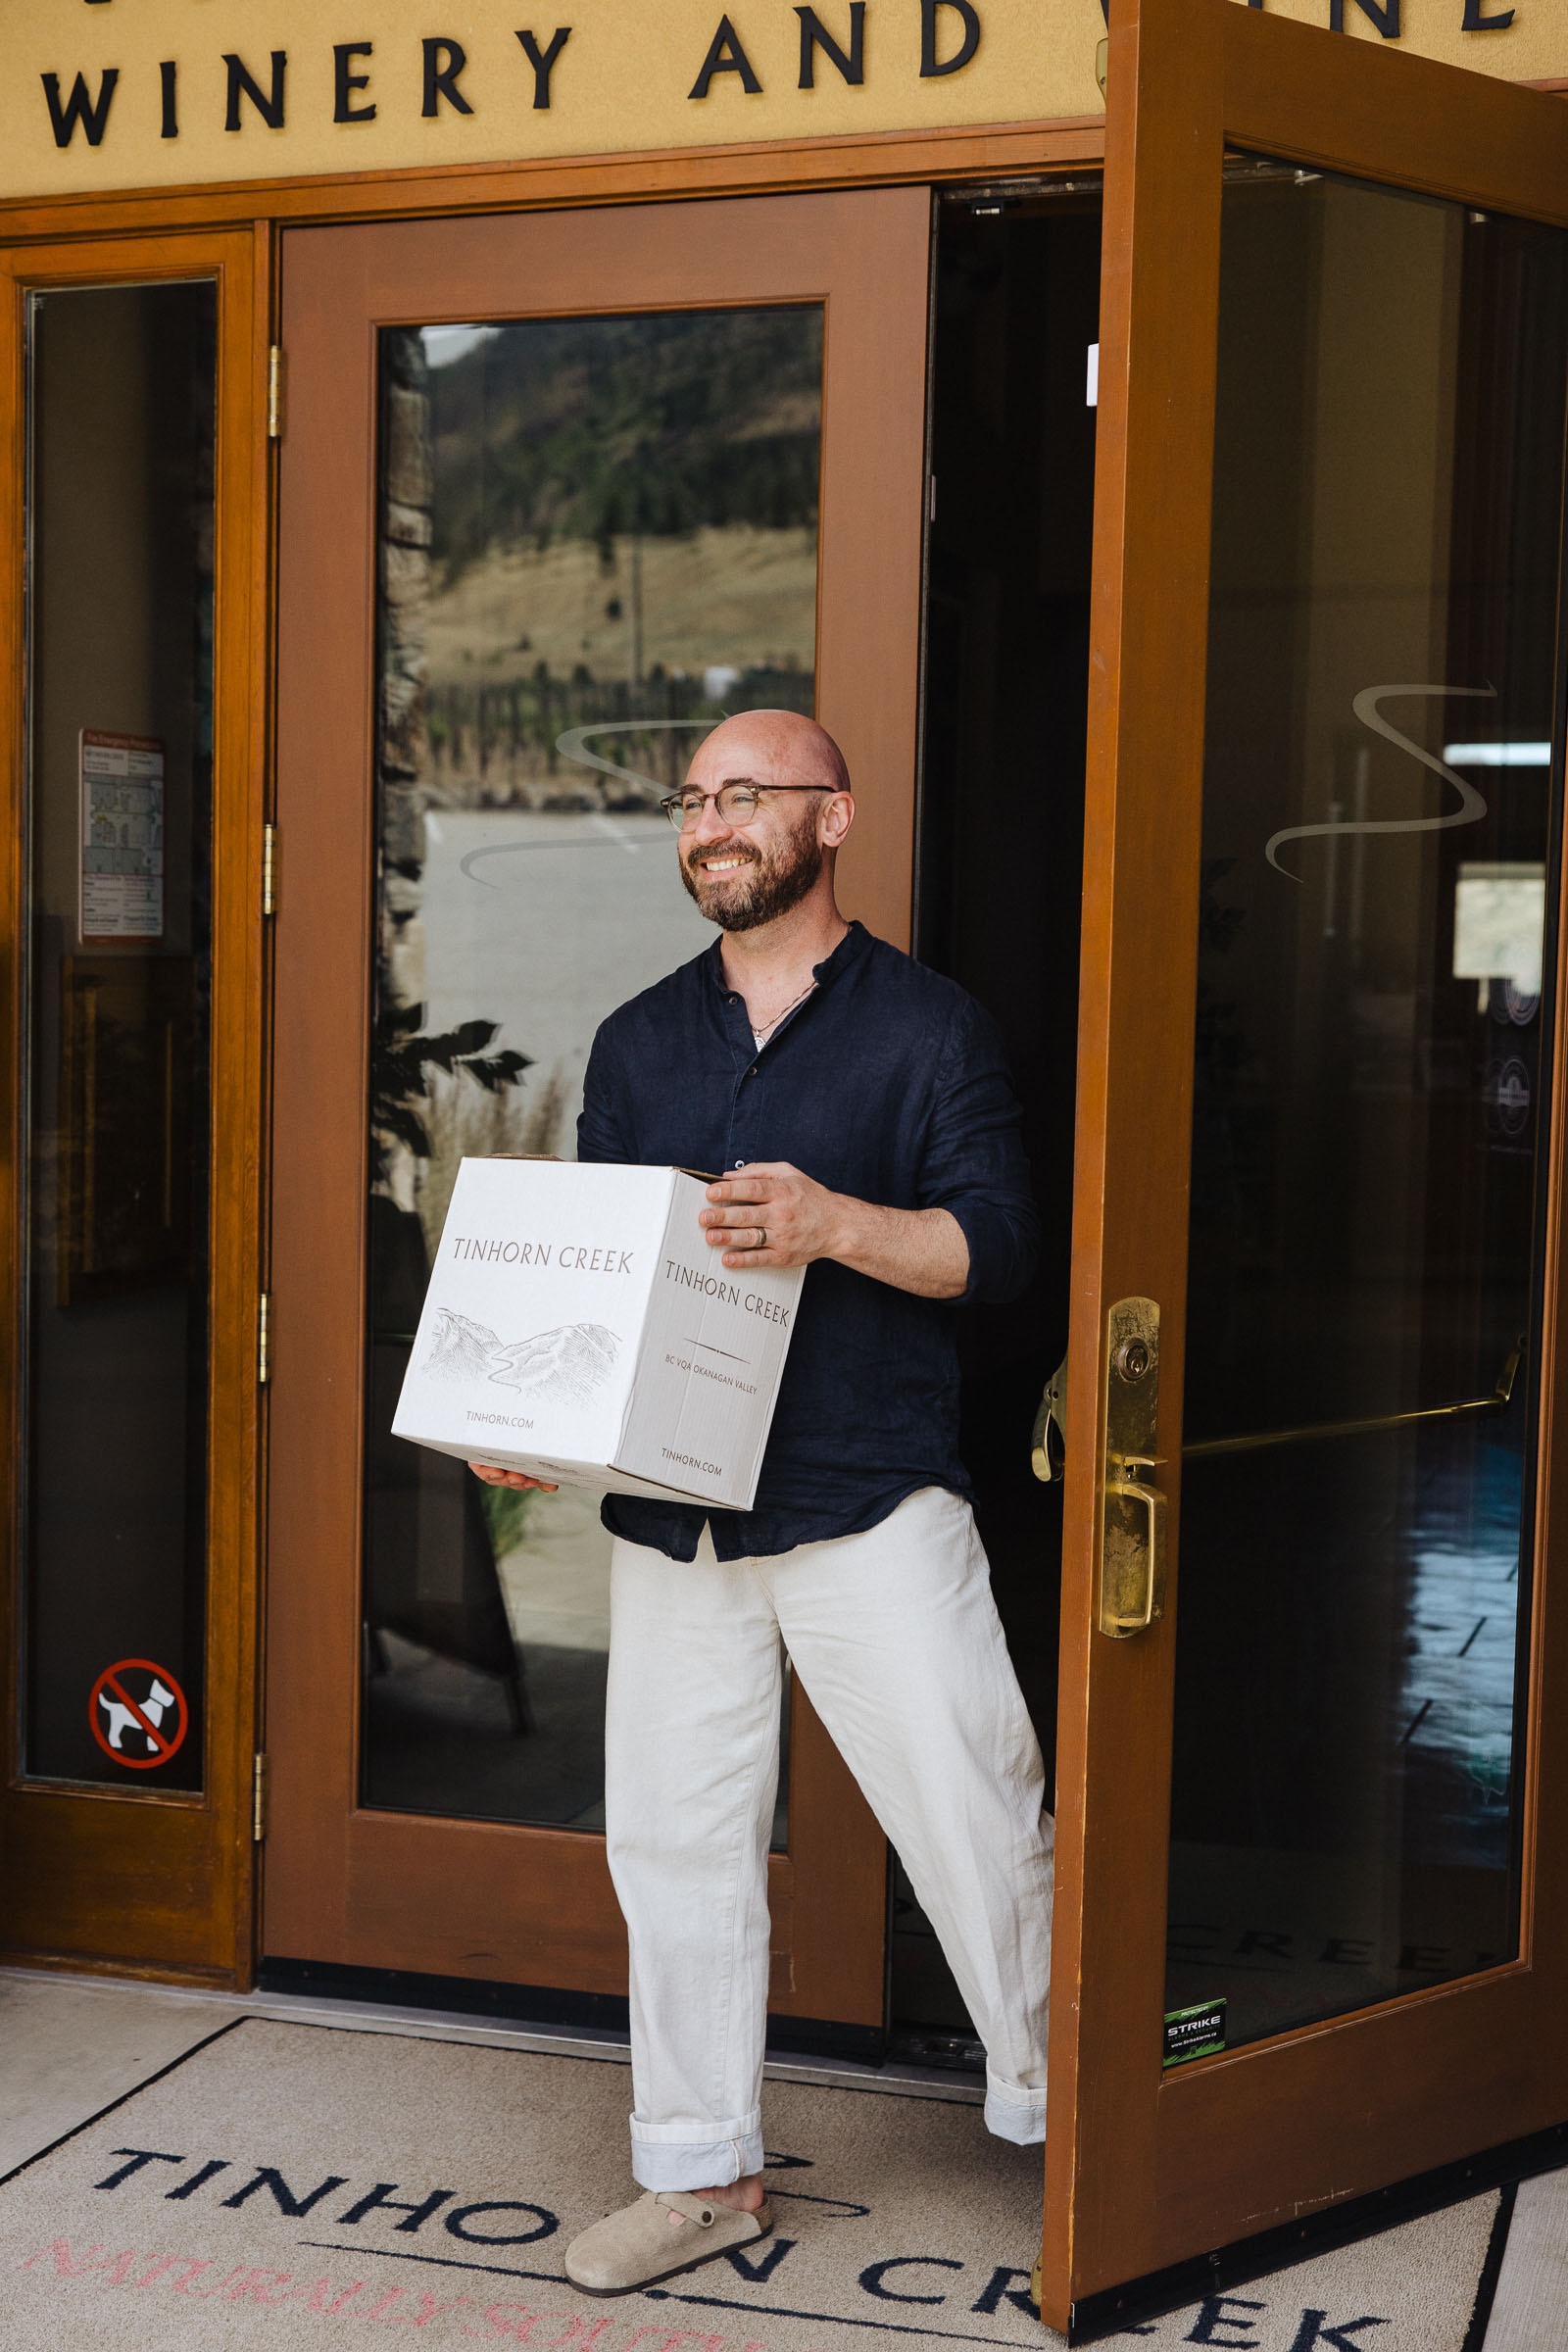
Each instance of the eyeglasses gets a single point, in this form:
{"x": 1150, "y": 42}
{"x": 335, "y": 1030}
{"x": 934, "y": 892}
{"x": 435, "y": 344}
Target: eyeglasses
{"x": 736, "y": 804}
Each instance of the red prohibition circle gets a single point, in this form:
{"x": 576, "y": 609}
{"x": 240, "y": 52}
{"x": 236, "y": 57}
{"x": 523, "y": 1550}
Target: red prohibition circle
{"x": 111, "y": 1693}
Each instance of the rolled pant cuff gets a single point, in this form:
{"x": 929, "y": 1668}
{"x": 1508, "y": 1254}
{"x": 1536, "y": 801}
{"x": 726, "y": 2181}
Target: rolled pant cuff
{"x": 1013, "y": 2113}
{"x": 662, "y": 2160}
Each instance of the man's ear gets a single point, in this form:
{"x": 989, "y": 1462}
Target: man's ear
{"x": 838, "y": 815}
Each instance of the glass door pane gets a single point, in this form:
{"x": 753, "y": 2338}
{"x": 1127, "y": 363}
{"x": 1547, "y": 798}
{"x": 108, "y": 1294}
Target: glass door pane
{"x": 597, "y": 536}
{"x": 1372, "y": 1064}
{"x": 118, "y": 976}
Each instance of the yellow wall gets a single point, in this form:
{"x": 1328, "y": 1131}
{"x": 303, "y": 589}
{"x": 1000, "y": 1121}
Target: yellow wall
{"x": 622, "y": 81}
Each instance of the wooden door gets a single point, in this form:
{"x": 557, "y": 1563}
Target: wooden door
{"x": 514, "y": 639}
{"x": 130, "y": 1069}
{"x": 1325, "y": 702}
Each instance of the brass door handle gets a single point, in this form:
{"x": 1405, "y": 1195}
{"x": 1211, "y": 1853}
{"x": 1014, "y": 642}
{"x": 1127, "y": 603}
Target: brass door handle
{"x": 1047, "y": 1445}
{"x": 1130, "y": 1536}
{"x": 1130, "y": 1578}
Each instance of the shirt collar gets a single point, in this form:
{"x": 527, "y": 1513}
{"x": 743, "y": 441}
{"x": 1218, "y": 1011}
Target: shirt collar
{"x": 851, "y": 947}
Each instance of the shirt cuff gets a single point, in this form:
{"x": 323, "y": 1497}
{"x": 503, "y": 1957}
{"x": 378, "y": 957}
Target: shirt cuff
{"x": 998, "y": 1267}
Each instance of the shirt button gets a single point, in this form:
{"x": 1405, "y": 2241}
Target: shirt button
{"x": 740, "y": 1164}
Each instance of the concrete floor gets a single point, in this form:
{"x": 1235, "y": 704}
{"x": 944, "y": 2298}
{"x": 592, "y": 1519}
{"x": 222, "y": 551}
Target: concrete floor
{"x": 71, "y": 2045}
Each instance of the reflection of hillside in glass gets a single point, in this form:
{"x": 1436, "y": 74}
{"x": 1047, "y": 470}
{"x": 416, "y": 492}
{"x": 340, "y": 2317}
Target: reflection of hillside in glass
{"x": 622, "y": 524}
{"x": 603, "y": 523}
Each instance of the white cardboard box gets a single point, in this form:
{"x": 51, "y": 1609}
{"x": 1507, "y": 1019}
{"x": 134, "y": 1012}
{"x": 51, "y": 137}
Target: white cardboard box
{"x": 578, "y": 1327}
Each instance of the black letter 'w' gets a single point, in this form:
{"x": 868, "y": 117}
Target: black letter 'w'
{"x": 79, "y": 108}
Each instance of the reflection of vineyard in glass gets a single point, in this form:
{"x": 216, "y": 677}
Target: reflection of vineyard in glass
{"x": 624, "y": 526}
{"x": 598, "y": 537}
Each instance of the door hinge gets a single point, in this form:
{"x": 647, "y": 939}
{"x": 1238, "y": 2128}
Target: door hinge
{"x": 269, "y": 869}
{"x": 263, "y": 1305}
{"x": 259, "y": 1801}
{"x": 274, "y": 392}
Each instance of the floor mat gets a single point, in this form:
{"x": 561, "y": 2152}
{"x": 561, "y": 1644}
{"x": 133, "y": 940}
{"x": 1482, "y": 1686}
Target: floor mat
{"x": 287, "y": 2185}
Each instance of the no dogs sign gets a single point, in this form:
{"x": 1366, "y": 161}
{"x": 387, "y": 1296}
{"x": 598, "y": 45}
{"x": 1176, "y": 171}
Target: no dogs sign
{"x": 139, "y": 1713}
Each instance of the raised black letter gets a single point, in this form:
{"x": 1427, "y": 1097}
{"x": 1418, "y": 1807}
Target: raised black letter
{"x": 444, "y": 61}
{"x": 166, "y": 74}
{"x": 815, "y": 36}
{"x": 1475, "y": 22}
{"x": 542, "y": 61}
{"x": 345, "y": 83}
{"x": 79, "y": 108}
{"x": 725, "y": 56}
{"x": 269, "y": 106}
{"x": 1385, "y": 17}
{"x": 928, "y": 38}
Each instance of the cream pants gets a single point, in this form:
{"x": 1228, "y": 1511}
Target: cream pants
{"x": 896, "y": 1639}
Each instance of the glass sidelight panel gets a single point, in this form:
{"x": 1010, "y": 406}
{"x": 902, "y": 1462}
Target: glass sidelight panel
{"x": 597, "y": 536}
{"x": 118, "y": 976}
{"x": 1370, "y": 1124}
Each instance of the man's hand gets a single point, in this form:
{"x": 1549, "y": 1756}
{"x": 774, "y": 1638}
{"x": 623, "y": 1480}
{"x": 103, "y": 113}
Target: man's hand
{"x": 509, "y": 1478}
{"x": 769, "y": 1214}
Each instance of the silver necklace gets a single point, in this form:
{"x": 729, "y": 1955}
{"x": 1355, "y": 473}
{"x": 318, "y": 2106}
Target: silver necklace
{"x": 763, "y": 1035}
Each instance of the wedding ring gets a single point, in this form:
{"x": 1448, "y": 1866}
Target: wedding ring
{"x": 761, "y": 1237}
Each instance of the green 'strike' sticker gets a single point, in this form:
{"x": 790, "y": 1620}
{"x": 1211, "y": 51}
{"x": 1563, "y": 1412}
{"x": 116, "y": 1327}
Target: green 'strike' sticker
{"x": 1194, "y": 2032}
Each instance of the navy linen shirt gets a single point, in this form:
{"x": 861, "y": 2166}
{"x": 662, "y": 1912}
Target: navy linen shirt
{"x": 888, "y": 1084}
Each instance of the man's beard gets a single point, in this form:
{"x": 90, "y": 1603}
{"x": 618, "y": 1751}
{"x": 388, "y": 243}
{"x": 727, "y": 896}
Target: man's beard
{"x": 771, "y": 888}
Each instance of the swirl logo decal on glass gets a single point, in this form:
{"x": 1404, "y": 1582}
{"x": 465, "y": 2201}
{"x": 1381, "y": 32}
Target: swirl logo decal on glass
{"x": 1507, "y": 1095}
{"x": 1472, "y": 808}
{"x": 572, "y": 746}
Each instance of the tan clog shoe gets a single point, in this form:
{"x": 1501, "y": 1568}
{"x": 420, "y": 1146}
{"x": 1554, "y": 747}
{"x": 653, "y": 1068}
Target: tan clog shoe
{"x": 641, "y": 2244}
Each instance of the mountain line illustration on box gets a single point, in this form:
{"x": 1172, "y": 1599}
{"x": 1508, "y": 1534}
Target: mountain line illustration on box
{"x": 648, "y": 1369}
{"x": 570, "y": 1362}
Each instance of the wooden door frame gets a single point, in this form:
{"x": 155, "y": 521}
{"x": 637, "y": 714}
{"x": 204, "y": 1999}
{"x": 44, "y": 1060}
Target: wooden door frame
{"x": 864, "y": 254}
{"x": 1142, "y": 2171}
{"x": 980, "y": 152}
{"x": 104, "y": 235}
{"x": 104, "y": 1878}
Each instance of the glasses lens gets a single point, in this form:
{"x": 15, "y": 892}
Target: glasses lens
{"x": 736, "y": 804}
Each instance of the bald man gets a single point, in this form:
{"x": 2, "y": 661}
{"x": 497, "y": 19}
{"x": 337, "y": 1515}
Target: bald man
{"x": 861, "y": 1108}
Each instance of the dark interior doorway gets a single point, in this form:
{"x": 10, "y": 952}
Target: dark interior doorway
{"x": 1000, "y": 857}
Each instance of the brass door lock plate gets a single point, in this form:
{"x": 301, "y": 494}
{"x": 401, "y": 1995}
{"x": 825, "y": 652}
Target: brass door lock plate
{"x": 1130, "y": 1583}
